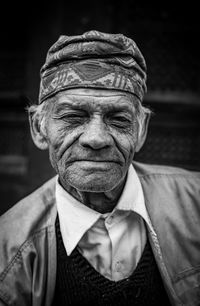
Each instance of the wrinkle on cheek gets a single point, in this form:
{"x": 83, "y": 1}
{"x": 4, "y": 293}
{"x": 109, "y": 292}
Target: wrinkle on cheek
{"x": 58, "y": 139}
{"x": 126, "y": 144}
{"x": 66, "y": 141}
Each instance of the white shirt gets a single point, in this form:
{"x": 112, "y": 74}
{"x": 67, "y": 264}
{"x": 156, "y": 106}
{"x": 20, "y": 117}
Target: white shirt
{"x": 112, "y": 243}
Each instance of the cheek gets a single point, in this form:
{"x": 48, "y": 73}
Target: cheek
{"x": 126, "y": 143}
{"x": 55, "y": 138}
{"x": 61, "y": 142}
{"x": 127, "y": 146}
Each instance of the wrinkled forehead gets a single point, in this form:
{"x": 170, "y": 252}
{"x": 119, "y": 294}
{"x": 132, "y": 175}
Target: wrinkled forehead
{"x": 95, "y": 97}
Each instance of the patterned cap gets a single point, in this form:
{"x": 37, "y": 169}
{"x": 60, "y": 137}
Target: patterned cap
{"x": 93, "y": 60}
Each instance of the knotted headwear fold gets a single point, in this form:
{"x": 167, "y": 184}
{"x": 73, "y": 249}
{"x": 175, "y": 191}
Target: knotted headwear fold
{"x": 93, "y": 60}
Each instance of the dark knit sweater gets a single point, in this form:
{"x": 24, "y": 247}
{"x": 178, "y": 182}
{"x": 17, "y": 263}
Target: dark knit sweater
{"x": 78, "y": 283}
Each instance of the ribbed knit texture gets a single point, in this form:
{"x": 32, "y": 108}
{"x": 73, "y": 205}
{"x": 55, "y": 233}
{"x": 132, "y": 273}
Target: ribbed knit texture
{"x": 78, "y": 283}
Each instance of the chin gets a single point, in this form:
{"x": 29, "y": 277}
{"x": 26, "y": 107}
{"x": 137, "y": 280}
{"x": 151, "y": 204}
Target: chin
{"x": 92, "y": 180}
{"x": 97, "y": 184}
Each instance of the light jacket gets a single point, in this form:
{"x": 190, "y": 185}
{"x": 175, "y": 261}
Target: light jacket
{"x": 28, "y": 240}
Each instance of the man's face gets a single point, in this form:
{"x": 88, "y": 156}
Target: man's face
{"x": 92, "y": 136}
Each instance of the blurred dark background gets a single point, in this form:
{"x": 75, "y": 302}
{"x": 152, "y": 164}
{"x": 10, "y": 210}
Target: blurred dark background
{"x": 168, "y": 36}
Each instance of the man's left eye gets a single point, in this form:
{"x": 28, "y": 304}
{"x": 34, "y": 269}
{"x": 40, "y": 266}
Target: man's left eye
{"x": 120, "y": 121}
{"x": 74, "y": 116}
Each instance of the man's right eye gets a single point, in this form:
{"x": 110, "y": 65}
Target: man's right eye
{"x": 72, "y": 117}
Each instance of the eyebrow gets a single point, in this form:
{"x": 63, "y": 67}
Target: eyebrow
{"x": 84, "y": 105}
{"x": 65, "y": 104}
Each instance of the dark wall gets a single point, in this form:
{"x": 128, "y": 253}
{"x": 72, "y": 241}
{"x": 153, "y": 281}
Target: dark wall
{"x": 168, "y": 36}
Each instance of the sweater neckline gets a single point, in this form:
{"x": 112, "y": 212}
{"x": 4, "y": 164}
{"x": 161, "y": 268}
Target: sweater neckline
{"x": 90, "y": 275}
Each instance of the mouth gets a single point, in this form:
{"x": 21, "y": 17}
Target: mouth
{"x": 95, "y": 161}
{"x": 95, "y": 164}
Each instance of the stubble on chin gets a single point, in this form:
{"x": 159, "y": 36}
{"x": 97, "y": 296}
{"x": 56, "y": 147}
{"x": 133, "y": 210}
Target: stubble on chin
{"x": 91, "y": 181}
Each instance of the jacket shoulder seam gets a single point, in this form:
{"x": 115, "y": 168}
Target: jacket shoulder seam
{"x": 186, "y": 273}
{"x": 18, "y": 256}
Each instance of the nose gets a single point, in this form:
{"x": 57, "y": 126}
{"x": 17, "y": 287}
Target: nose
{"x": 96, "y": 135}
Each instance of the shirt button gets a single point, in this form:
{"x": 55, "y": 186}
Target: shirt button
{"x": 118, "y": 266}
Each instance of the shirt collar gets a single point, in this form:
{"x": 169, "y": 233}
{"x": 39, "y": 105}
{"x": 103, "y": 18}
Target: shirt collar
{"x": 132, "y": 197}
{"x": 76, "y": 218}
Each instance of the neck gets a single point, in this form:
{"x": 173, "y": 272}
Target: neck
{"x": 103, "y": 202}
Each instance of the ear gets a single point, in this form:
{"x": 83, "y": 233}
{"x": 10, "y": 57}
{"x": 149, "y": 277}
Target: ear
{"x": 142, "y": 133}
{"x": 37, "y": 131}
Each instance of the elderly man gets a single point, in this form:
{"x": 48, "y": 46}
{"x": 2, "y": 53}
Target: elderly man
{"x": 106, "y": 230}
